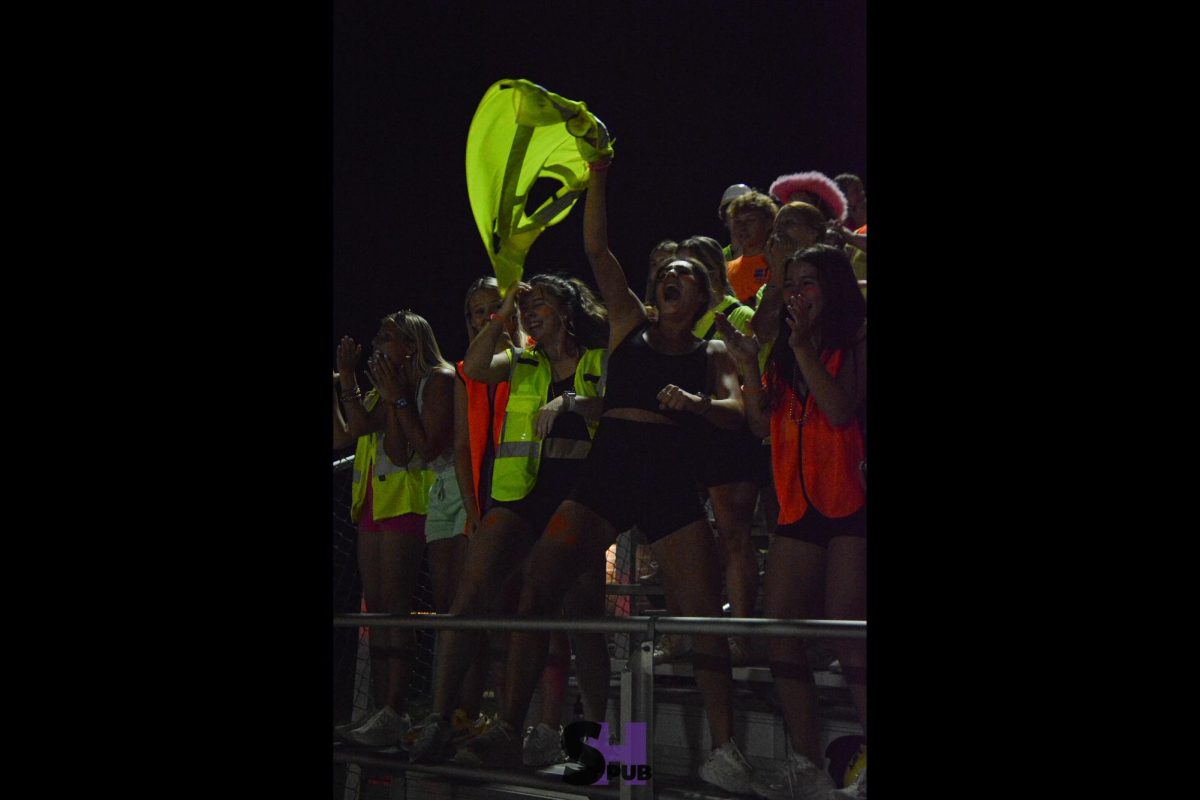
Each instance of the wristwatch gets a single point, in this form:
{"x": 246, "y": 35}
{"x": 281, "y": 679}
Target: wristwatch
{"x": 568, "y": 401}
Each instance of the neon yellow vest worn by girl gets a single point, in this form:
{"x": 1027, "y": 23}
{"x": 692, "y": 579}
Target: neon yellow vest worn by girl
{"x": 520, "y": 452}
{"x": 395, "y": 489}
{"x": 739, "y": 317}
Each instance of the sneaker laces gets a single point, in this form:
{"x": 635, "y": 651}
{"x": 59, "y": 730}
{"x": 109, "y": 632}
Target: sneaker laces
{"x": 379, "y": 720}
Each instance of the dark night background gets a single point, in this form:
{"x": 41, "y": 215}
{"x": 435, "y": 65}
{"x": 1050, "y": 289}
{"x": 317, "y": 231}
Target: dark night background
{"x": 698, "y": 95}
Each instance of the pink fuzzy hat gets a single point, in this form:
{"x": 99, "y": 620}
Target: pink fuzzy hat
{"x": 815, "y": 182}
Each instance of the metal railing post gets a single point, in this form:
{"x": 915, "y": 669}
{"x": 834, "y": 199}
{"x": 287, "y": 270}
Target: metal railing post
{"x": 642, "y": 675}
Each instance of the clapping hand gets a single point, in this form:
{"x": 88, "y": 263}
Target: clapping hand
{"x": 672, "y": 398}
{"x": 348, "y": 354}
{"x": 391, "y": 382}
{"x": 743, "y": 348}
{"x": 798, "y": 312}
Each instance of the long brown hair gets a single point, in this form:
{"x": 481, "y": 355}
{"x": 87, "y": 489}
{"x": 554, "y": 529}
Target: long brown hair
{"x": 843, "y": 313}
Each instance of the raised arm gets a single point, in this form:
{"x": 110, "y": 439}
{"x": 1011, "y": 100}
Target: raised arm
{"x": 625, "y": 310}
{"x": 481, "y": 361}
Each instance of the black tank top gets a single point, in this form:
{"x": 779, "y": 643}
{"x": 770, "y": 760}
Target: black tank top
{"x": 637, "y": 373}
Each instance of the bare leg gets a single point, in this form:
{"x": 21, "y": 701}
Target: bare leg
{"x": 592, "y": 666}
{"x": 688, "y": 561}
{"x": 575, "y": 537}
{"x": 369, "y": 561}
{"x": 846, "y": 598}
{"x": 496, "y": 547}
{"x": 446, "y": 559}
{"x": 770, "y": 507}
{"x": 733, "y": 507}
{"x": 400, "y": 567}
{"x": 554, "y": 678}
{"x": 794, "y": 585}
{"x": 471, "y": 699}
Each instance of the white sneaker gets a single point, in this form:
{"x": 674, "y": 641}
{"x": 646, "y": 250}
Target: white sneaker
{"x": 383, "y": 729}
{"x": 543, "y": 747}
{"x": 798, "y": 779}
{"x": 433, "y": 735}
{"x": 725, "y": 767}
{"x": 340, "y": 731}
{"x": 855, "y": 791}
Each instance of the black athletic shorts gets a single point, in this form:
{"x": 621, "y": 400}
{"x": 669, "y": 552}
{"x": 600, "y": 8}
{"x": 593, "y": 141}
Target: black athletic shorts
{"x": 556, "y": 477}
{"x": 817, "y": 528}
{"x": 644, "y": 474}
{"x": 734, "y": 457}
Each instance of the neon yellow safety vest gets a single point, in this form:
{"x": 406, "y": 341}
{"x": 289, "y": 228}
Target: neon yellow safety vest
{"x": 395, "y": 490}
{"x": 706, "y": 327}
{"x": 522, "y": 133}
{"x": 519, "y": 453}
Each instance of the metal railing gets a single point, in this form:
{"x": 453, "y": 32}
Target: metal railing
{"x": 720, "y": 626}
{"x": 637, "y": 677}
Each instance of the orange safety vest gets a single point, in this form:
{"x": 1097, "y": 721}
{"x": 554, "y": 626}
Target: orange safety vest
{"x": 477, "y": 421}
{"x": 814, "y": 462}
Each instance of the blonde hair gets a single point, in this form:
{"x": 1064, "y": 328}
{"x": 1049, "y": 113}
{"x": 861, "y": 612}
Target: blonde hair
{"x": 487, "y": 282}
{"x": 415, "y": 327}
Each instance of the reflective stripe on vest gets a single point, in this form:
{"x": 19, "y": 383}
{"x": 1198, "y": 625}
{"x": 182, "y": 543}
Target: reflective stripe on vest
{"x": 815, "y": 461}
{"x": 706, "y": 327}
{"x": 396, "y": 489}
{"x": 519, "y": 453}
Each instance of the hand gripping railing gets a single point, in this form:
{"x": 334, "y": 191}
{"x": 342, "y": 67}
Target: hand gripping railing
{"x": 637, "y": 679}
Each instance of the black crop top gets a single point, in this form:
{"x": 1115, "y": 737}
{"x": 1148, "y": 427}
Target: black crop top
{"x": 637, "y": 373}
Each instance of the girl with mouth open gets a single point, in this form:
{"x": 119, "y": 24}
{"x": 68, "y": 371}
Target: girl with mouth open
{"x": 663, "y": 384}
{"x": 811, "y": 400}
{"x": 403, "y": 429}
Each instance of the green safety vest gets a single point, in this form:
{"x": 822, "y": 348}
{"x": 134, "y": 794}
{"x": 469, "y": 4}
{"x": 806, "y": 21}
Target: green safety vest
{"x": 522, "y": 133}
{"x": 519, "y": 453}
{"x": 395, "y": 490}
{"x": 739, "y": 318}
